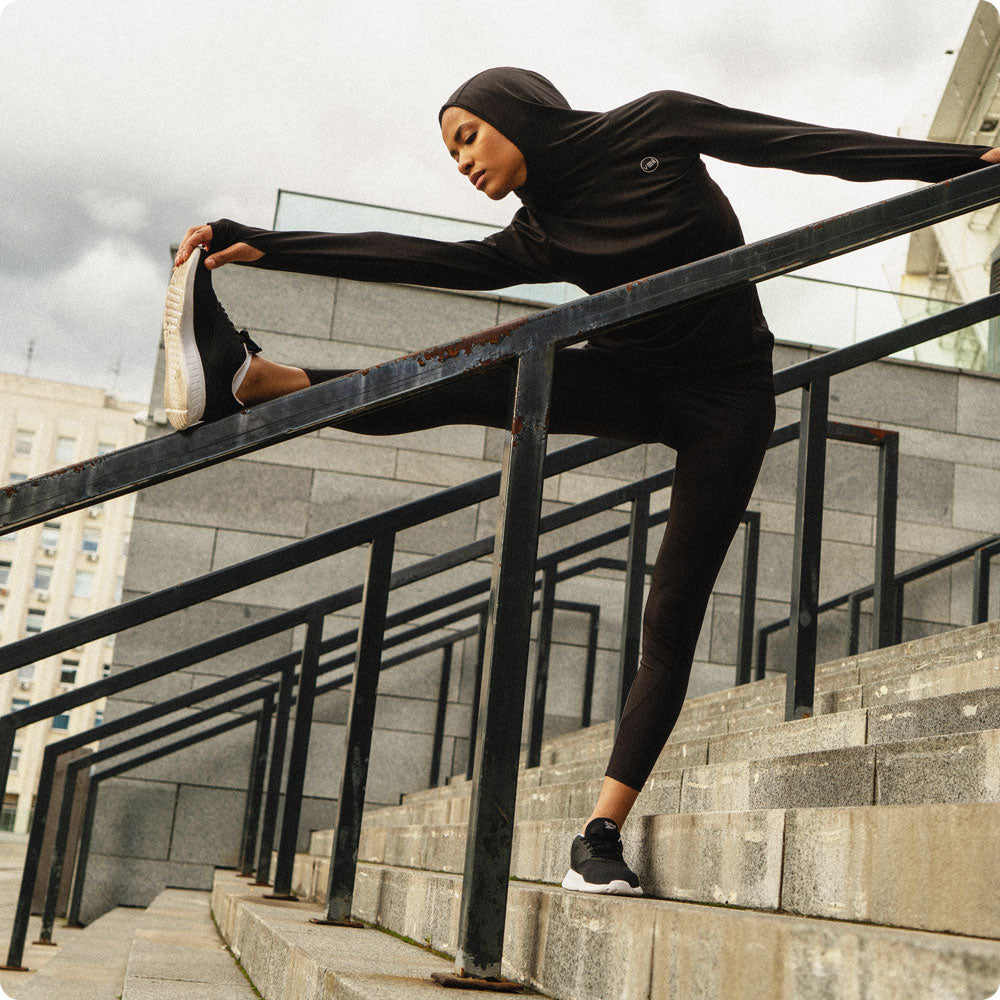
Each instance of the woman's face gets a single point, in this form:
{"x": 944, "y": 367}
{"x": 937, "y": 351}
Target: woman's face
{"x": 487, "y": 157}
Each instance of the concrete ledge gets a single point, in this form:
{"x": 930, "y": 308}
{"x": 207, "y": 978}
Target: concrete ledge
{"x": 288, "y": 958}
{"x": 177, "y": 954}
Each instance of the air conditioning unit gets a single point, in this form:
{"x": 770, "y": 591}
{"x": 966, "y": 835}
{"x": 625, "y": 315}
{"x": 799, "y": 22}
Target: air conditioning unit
{"x": 49, "y": 551}
{"x": 92, "y": 557}
{"x": 63, "y": 688}
{"x": 93, "y": 512}
{"x": 24, "y": 685}
{"x": 4, "y": 592}
{"x": 41, "y": 595}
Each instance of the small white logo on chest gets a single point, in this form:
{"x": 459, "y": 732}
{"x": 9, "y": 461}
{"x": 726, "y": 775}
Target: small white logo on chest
{"x": 649, "y": 164}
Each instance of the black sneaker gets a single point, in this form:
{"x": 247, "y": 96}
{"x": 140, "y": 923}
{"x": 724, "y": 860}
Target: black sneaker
{"x": 596, "y": 863}
{"x": 205, "y": 353}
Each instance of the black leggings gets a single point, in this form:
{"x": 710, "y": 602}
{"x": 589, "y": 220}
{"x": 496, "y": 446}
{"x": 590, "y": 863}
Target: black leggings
{"x": 719, "y": 431}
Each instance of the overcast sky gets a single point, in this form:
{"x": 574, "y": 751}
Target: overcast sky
{"x": 125, "y": 122}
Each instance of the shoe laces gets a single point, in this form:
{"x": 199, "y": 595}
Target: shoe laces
{"x": 606, "y": 848}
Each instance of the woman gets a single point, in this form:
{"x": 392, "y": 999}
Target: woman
{"x": 606, "y": 198}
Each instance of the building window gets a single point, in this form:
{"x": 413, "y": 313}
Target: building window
{"x": 43, "y": 578}
{"x": 60, "y": 721}
{"x": 103, "y": 448}
{"x": 8, "y": 812}
{"x": 95, "y": 510}
{"x": 83, "y": 584}
{"x": 26, "y": 672}
{"x": 18, "y": 703}
{"x": 35, "y": 621}
{"x": 67, "y": 671}
{"x": 15, "y": 759}
{"x": 106, "y": 670}
{"x": 99, "y": 717}
{"x": 23, "y": 442}
{"x": 49, "y": 538}
{"x": 17, "y": 477}
{"x": 64, "y": 449}
{"x": 91, "y": 541}
{"x": 4, "y": 573}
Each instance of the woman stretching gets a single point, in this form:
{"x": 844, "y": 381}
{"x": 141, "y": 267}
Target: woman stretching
{"x": 606, "y": 198}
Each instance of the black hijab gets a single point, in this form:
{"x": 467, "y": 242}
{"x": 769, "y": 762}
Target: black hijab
{"x": 529, "y": 111}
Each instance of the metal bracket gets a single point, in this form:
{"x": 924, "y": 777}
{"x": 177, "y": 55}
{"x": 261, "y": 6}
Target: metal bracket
{"x": 451, "y": 981}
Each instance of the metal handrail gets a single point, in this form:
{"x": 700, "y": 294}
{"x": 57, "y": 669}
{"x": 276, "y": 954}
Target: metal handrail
{"x": 985, "y": 548}
{"x": 529, "y": 343}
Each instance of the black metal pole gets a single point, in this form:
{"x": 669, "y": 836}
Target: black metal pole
{"x": 22, "y": 913}
{"x": 73, "y": 917}
{"x": 358, "y": 741}
{"x": 854, "y": 623}
{"x": 760, "y": 654}
{"x": 494, "y": 786}
{"x": 635, "y": 582}
{"x": 590, "y": 667}
{"x": 806, "y": 553}
{"x": 255, "y": 751}
{"x": 295, "y": 782}
{"x": 981, "y": 582}
{"x": 434, "y": 778}
{"x": 884, "y": 610}
{"x": 58, "y": 854}
{"x": 748, "y": 596}
{"x": 255, "y": 786}
{"x": 273, "y": 797}
{"x": 543, "y": 650}
{"x": 477, "y": 690}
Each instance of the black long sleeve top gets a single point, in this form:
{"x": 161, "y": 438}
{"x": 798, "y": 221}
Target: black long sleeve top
{"x": 617, "y": 195}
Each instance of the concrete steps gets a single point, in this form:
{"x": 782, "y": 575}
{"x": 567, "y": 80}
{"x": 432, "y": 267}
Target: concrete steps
{"x": 177, "y": 954}
{"x": 86, "y": 964}
{"x": 858, "y": 847}
{"x": 288, "y": 958}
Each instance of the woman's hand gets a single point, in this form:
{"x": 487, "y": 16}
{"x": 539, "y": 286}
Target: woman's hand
{"x": 202, "y": 236}
{"x": 993, "y": 156}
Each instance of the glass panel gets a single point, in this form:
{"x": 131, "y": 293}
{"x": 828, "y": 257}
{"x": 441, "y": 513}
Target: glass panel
{"x": 60, "y": 722}
{"x": 83, "y": 584}
{"x": 67, "y": 675}
{"x": 332, "y": 215}
{"x": 35, "y": 621}
{"x": 49, "y": 537}
{"x": 26, "y": 672}
{"x": 91, "y": 541}
{"x": 4, "y": 573}
{"x": 43, "y": 577}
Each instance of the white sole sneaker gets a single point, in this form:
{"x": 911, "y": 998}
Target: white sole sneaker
{"x": 617, "y": 887}
{"x": 184, "y": 382}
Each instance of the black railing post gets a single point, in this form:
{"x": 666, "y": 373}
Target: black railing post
{"x": 590, "y": 669}
{"x": 358, "y": 739}
{"x": 748, "y": 596}
{"x": 83, "y": 855}
{"x": 22, "y": 913}
{"x": 440, "y": 716}
{"x": 491, "y": 808}
{"x": 981, "y": 582}
{"x": 258, "y": 731}
{"x": 273, "y": 797}
{"x": 854, "y": 623}
{"x": 299, "y": 757}
{"x": 635, "y": 582}
{"x": 884, "y": 610}
{"x": 760, "y": 653}
{"x": 801, "y": 662}
{"x": 477, "y": 690}
{"x": 543, "y": 650}
{"x": 255, "y": 786}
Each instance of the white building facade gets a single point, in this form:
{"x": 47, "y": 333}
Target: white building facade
{"x": 64, "y": 569}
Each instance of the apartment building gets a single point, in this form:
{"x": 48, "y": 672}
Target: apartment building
{"x": 61, "y": 570}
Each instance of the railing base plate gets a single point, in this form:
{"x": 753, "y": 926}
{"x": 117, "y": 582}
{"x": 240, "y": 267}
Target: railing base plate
{"x": 285, "y": 897}
{"x": 50, "y": 944}
{"x": 14, "y": 968}
{"x": 451, "y": 981}
{"x": 336, "y": 923}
